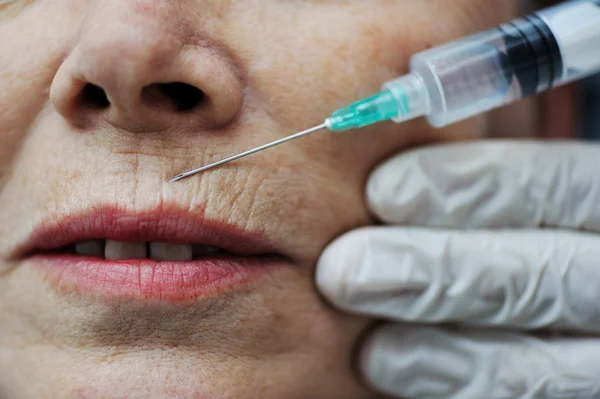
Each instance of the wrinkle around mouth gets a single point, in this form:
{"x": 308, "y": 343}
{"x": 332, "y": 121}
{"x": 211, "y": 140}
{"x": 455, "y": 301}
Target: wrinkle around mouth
{"x": 245, "y": 195}
{"x": 171, "y": 149}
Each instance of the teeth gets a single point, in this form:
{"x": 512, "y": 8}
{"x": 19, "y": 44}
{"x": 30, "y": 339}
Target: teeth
{"x": 119, "y": 250}
{"x": 93, "y": 248}
{"x": 203, "y": 250}
{"x": 159, "y": 251}
{"x": 169, "y": 252}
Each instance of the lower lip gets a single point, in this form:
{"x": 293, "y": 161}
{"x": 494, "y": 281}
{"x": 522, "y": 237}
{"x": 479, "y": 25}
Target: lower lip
{"x": 153, "y": 280}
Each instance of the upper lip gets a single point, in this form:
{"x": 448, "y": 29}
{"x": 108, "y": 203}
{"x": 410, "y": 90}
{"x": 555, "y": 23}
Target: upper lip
{"x": 175, "y": 226}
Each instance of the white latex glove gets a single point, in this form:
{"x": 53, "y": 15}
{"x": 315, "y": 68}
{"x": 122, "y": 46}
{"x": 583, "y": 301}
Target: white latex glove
{"x": 486, "y": 234}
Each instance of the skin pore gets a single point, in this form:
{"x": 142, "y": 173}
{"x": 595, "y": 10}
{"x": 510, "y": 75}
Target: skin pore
{"x": 265, "y": 68}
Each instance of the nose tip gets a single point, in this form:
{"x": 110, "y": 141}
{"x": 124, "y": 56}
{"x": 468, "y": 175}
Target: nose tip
{"x": 145, "y": 77}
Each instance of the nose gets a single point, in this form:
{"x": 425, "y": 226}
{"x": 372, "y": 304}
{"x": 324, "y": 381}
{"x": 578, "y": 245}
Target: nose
{"x": 136, "y": 66}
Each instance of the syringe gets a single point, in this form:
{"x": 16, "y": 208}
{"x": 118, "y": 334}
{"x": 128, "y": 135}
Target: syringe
{"x": 470, "y": 76}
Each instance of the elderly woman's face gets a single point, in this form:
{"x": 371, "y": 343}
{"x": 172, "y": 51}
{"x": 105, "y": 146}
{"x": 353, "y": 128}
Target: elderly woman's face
{"x": 102, "y": 101}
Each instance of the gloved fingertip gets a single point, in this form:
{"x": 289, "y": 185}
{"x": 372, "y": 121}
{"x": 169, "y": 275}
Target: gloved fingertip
{"x": 383, "y": 368}
{"x": 384, "y": 187}
{"x": 415, "y": 362}
{"x": 370, "y": 361}
{"x": 330, "y": 270}
{"x": 336, "y": 265}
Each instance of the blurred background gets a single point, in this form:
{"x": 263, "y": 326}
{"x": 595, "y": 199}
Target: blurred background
{"x": 588, "y": 90}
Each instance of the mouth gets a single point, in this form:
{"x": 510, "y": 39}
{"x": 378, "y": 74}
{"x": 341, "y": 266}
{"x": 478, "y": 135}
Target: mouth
{"x": 166, "y": 255}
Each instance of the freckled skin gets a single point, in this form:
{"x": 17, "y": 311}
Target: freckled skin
{"x": 269, "y": 68}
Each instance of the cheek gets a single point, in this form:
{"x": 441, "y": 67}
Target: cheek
{"x": 300, "y": 75}
{"x": 28, "y": 64}
{"x": 322, "y": 56}
{"x": 319, "y": 56}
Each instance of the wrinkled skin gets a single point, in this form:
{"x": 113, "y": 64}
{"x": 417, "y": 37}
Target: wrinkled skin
{"x": 267, "y": 68}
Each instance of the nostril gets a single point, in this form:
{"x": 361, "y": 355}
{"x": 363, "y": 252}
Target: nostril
{"x": 94, "y": 96}
{"x": 183, "y": 97}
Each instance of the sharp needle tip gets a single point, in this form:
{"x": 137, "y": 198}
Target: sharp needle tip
{"x": 177, "y": 178}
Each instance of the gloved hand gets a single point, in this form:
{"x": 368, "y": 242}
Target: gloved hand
{"x": 499, "y": 239}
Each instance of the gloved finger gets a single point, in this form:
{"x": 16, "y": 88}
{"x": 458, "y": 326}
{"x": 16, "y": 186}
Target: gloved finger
{"x": 427, "y": 362}
{"x": 524, "y": 279}
{"x": 490, "y": 185}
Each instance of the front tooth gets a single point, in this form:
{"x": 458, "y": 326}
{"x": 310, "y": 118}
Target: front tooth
{"x": 119, "y": 250}
{"x": 169, "y": 252}
{"x": 90, "y": 248}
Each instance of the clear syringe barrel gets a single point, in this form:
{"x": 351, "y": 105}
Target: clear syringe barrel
{"x": 499, "y": 66}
